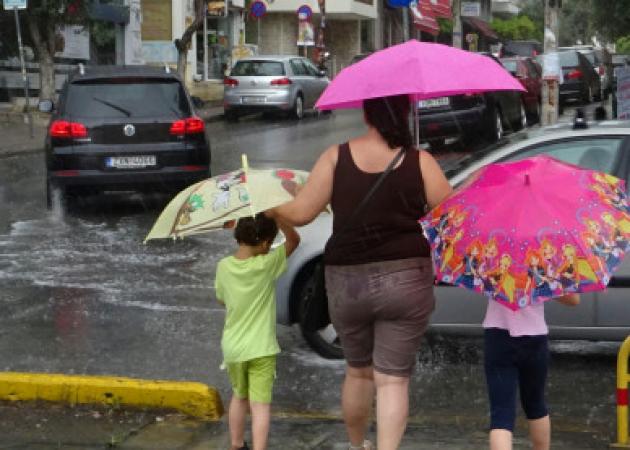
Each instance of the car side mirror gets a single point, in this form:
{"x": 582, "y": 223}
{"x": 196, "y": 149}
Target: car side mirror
{"x": 46, "y": 106}
{"x": 321, "y": 74}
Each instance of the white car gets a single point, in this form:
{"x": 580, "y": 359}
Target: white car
{"x": 600, "y": 316}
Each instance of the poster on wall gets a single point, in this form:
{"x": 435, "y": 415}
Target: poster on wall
{"x": 159, "y": 52}
{"x": 306, "y": 34}
{"x": 72, "y": 42}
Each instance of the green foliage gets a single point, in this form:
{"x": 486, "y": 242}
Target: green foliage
{"x": 446, "y": 25}
{"x": 59, "y": 12}
{"x": 576, "y": 22}
{"x": 516, "y": 28}
{"x": 623, "y": 45}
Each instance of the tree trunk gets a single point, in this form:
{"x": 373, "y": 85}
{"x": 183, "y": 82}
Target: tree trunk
{"x": 183, "y": 44}
{"x": 44, "y": 48}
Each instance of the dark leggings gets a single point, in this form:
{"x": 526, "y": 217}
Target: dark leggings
{"x": 510, "y": 362}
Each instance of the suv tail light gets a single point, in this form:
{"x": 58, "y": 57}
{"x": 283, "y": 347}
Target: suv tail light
{"x": 69, "y": 130}
{"x": 231, "y": 82}
{"x": 602, "y": 70}
{"x": 574, "y": 75}
{"x": 182, "y": 127}
{"x": 280, "y": 82}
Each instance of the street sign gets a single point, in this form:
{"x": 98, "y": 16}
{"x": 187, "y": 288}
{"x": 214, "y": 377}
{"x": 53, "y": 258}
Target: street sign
{"x": 258, "y": 9}
{"x": 13, "y": 4}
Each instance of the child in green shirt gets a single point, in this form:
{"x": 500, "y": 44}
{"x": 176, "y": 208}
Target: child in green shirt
{"x": 245, "y": 284}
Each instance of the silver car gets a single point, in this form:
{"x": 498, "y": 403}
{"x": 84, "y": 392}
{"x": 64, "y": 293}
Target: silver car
{"x": 291, "y": 84}
{"x": 600, "y": 316}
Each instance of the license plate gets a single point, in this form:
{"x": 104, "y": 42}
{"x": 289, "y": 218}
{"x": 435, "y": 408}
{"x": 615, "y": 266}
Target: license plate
{"x": 130, "y": 162}
{"x": 257, "y": 99}
{"x": 434, "y": 102}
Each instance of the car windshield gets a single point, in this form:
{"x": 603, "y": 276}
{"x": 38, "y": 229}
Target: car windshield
{"x": 127, "y": 98}
{"x": 258, "y": 69}
{"x": 569, "y": 59}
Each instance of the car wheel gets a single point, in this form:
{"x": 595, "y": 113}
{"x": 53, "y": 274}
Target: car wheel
{"x": 537, "y": 112}
{"x": 495, "y": 131}
{"x": 49, "y": 193}
{"x": 298, "y": 107}
{"x": 325, "y": 340}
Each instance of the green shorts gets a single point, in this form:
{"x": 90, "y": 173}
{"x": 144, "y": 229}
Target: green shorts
{"x": 253, "y": 379}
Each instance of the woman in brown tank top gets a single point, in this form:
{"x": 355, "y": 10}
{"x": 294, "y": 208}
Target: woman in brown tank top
{"x": 379, "y": 277}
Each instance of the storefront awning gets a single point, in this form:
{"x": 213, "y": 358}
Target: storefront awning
{"x": 108, "y": 12}
{"x": 481, "y": 26}
{"x": 441, "y": 8}
{"x": 423, "y": 18}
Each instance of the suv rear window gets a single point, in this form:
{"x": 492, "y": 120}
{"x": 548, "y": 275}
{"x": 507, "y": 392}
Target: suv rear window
{"x": 122, "y": 97}
{"x": 258, "y": 69}
{"x": 510, "y": 66}
{"x": 569, "y": 59}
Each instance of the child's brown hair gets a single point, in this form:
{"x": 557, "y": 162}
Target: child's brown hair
{"x": 255, "y": 230}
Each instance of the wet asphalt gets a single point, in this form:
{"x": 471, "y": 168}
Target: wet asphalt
{"x": 80, "y": 293}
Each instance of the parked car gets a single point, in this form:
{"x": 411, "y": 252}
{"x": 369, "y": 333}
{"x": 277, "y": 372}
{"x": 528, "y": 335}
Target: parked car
{"x": 470, "y": 117}
{"x": 121, "y": 128}
{"x": 601, "y": 315}
{"x": 290, "y": 84}
{"x": 521, "y": 48}
{"x": 602, "y": 62}
{"x": 581, "y": 81}
{"x": 529, "y": 73}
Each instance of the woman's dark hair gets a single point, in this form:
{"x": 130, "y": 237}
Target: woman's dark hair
{"x": 255, "y": 230}
{"x": 390, "y": 116}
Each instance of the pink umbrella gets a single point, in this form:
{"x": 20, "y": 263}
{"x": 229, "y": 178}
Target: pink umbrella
{"x": 527, "y": 231}
{"x": 421, "y": 69}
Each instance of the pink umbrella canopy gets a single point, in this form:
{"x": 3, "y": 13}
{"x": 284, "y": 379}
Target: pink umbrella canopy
{"x": 420, "y": 69}
{"x": 527, "y": 231}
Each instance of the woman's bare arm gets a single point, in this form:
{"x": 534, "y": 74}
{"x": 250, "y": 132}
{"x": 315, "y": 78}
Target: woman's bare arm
{"x": 313, "y": 197}
{"x": 436, "y": 186}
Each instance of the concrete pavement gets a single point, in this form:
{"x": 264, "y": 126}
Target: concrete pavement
{"x": 47, "y": 427}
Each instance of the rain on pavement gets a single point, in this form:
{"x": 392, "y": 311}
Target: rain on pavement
{"x": 82, "y": 294}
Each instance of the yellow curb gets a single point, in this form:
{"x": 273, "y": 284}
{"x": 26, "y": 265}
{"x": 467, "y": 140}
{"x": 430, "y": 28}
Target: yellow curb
{"x": 194, "y": 399}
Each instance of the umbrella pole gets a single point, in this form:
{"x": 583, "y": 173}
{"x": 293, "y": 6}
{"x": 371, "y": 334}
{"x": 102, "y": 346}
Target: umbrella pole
{"x": 416, "y": 124}
{"x": 245, "y": 164}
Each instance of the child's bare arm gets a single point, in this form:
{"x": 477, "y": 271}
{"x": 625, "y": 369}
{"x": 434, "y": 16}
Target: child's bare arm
{"x": 569, "y": 299}
{"x": 292, "y": 237}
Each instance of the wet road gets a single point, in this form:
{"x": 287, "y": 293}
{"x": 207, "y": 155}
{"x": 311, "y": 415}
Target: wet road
{"x": 80, "y": 293}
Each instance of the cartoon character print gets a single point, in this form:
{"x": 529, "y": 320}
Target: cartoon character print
{"x": 472, "y": 259}
{"x": 455, "y": 219}
{"x": 449, "y": 249}
{"x": 221, "y": 200}
{"x": 488, "y": 264}
{"x": 502, "y": 281}
{"x": 603, "y": 253}
{"x": 574, "y": 270}
{"x": 610, "y": 191}
{"x": 618, "y": 231}
{"x": 538, "y": 284}
{"x": 548, "y": 253}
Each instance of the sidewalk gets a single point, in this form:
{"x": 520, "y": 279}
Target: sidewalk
{"x": 48, "y": 427}
{"x": 15, "y": 138}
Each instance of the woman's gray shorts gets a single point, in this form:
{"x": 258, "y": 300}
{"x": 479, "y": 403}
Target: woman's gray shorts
{"x": 381, "y": 311}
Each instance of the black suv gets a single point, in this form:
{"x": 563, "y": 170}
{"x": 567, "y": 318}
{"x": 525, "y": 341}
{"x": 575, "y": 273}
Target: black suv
{"x": 124, "y": 128}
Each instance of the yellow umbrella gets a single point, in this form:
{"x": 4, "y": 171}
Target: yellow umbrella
{"x": 208, "y": 204}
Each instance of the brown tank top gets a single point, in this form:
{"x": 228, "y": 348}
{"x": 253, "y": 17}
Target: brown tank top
{"x": 387, "y": 228}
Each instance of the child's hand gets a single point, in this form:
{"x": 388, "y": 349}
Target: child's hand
{"x": 569, "y": 299}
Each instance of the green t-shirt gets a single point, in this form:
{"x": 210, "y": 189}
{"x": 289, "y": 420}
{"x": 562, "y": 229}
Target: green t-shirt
{"x": 247, "y": 287}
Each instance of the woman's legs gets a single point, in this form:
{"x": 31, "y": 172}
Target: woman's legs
{"x": 356, "y": 401}
{"x": 236, "y": 420}
{"x": 392, "y": 409}
{"x": 540, "y": 433}
{"x": 261, "y": 418}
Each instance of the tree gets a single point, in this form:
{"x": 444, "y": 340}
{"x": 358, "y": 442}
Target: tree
{"x": 623, "y": 45}
{"x": 576, "y": 24}
{"x": 516, "y": 28}
{"x": 183, "y": 44}
{"x": 611, "y": 18}
{"x": 44, "y": 18}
